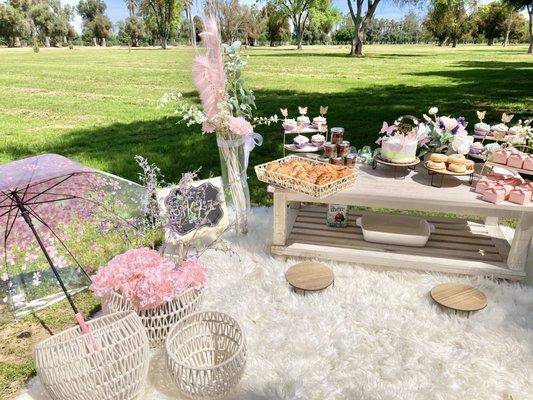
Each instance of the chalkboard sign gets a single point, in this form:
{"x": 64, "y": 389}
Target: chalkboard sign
{"x": 194, "y": 212}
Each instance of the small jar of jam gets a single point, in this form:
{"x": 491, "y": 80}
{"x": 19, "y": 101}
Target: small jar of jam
{"x": 337, "y": 161}
{"x": 337, "y": 135}
{"x": 343, "y": 148}
{"x": 349, "y": 160}
{"x": 330, "y": 150}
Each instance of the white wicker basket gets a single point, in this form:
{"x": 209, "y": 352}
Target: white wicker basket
{"x": 108, "y": 363}
{"x": 157, "y": 321}
{"x": 206, "y": 355}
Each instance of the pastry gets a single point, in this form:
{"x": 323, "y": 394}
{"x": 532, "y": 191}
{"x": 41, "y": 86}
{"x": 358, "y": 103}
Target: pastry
{"x": 324, "y": 178}
{"x": 436, "y": 165}
{"x": 459, "y": 168}
{"x": 499, "y": 131}
{"x": 436, "y": 157}
{"x": 302, "y": 120}
{"x": 476, "y": 148}
{"x": 481, "y": 129}
{"x": 318, "y": 140}
{"x": 273, "y": 166}
{"x": 456, "y": 159}
{"x": 470, "y": 165}
{"x": 289, "y": 125}
{"x": 300, "y": 141}
{"x": 318, "y": 122}
{"x": 316, "y": 173}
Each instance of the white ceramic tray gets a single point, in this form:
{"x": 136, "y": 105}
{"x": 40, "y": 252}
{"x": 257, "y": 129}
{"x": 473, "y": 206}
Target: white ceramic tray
{"x": 395, "y": 229}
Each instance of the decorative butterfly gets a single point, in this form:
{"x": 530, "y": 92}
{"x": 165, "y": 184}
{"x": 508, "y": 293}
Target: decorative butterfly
{"x": 481, "y": 115}
{"x": 389, "y": 130}
{"x": 507, "y": 118}
{"x": 323, "y": 110}
{"x": 284, "y": 112}
{"x": 303, "y": 110}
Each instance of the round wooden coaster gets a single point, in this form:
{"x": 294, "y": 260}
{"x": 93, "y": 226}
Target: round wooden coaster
{"x": 458, "y": 296}
{"x": 309, "y": 276}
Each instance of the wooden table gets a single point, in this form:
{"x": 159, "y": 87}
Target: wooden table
{"x": 457, "y": 245}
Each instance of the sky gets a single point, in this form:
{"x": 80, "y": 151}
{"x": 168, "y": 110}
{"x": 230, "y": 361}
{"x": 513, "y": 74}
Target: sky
{"x": 117, "y": 11}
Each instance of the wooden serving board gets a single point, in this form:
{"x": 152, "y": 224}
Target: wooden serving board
{"x": 458, "y": 296}
{"x": 309, "y": 276}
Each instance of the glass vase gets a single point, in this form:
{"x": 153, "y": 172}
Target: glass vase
{"x": 234, "y": 178}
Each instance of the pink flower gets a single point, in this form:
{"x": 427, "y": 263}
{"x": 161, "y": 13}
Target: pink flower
{"x": 208, "y": 127}
{"x": 240, "y": 126}
{"x": 36, "y": 278}
{"x": 193, "y": 273}
{"x": 146, "y": 278}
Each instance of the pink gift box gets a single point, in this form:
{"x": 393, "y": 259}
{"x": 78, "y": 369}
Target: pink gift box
{"x": 494, "y": 194}
{"x": 516, "y": 160}
{"x": 500, "y": 156}
{"x": 483, "y": 185}
{"x": 528, "y": 163}
{"x": 520, "y": 195}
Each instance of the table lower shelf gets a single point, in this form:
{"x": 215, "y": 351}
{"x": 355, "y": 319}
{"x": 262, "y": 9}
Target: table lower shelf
{"x": 456, "y": 246}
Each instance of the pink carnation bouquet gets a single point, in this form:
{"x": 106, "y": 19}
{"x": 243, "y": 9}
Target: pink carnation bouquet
{"x": 146, "y": 278}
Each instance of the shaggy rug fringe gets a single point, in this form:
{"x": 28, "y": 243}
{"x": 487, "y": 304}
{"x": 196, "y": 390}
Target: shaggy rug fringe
{"x": 375, "y": 335}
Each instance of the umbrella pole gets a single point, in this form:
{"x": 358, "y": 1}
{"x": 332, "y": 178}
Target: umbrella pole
{"x": 27, "y": 218}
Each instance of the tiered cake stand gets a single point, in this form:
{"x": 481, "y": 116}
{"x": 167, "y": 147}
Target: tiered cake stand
{"x": 398, "y": 169}
{"x": 307, "y": 130}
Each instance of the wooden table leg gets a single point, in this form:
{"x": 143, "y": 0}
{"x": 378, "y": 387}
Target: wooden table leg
{"x": 522, "y": 239}
{"x": 279, "y": 228}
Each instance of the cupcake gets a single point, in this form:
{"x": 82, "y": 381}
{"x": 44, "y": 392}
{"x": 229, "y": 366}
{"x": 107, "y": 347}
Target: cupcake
{"x": 499, "y": 131}
{"x": 319, "y": 122}
{"x": 300, "y": 141}
{"x": 289, "y": 125}
{"x": 318, "y": 140}
{"x": 481, "y": 129}
{"x": 516, "y": 130}
{"x": 302, "y": 120}
{"x": 476, "y": 148}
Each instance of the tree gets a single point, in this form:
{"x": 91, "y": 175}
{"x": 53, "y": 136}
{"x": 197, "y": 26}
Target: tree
{"x": 165, "y": 14}
{"x": 410, "y": 26}
{"x": 187, "y": 6}
{"x": 361, "y": 17}
{"x": 277, "y": 24}
{"x": 323, "y": 18}
{"x": 254, "y": 20}
{"x": 13, "y": 24}
{"x": 492, "y": 21}
{"x": 96, "y": 25}
{"x": 449, "y": 20}
{"x": 231, "y": 17}
{"x": 528, "y": 5}
{"x": 298, "y": 12}
{"x": 133, "y": 29}
{"x": 132, "y": 6}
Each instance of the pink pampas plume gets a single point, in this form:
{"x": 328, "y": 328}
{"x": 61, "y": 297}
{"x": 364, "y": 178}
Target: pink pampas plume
{"x": 208, "y": 71}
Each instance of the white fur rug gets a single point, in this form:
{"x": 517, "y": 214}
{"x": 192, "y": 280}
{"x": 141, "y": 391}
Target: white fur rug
{"x": 375, "y": 335}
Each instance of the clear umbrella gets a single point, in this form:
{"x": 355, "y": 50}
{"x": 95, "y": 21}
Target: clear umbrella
{"x": 49, "y": 203}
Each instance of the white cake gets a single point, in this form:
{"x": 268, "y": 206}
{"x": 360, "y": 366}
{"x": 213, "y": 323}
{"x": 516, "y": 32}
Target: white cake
{"x": 398, "y": 150}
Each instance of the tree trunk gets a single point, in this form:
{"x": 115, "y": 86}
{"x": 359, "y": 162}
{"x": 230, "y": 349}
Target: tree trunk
{"x": 454, "y": 42}
{"x": 490, "y": 41}
{"x": 193, "y": 29}
{"x": 530, "y": 10}
{"x": 103, "y": 42}
{"x": 508, "y": 31}
{"x": 164, "y": 42}
{"x": 16, "y": 42}
{"x": 47, "y": 41}
{"x": 271, "y": 43}
{"x": 300, "y": 39}
{"x": 95, "y": 42}
{"x": 357, "y": 43}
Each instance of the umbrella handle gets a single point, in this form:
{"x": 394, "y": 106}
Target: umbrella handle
{"x": 81, "y": 322}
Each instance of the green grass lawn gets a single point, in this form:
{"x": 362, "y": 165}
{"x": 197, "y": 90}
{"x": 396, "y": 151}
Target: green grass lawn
{"x": 99, "y": 107}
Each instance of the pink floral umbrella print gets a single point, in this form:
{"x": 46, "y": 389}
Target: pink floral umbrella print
{"x": 38, "y": 197}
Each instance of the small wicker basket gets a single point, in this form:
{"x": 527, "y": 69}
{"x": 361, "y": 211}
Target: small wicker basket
{"x": 206, "y": 355}
{"x": 110, "y": 362}
{"x": 157, "y": 321}
{"x": 289, "y": 182}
